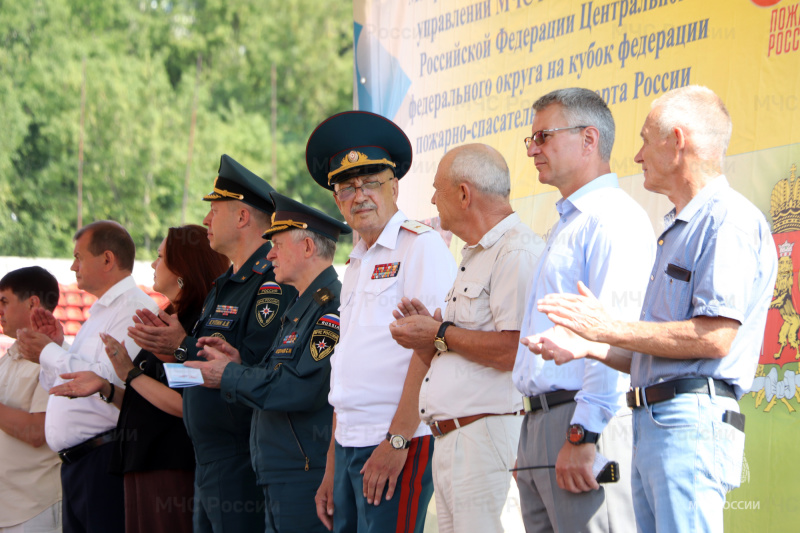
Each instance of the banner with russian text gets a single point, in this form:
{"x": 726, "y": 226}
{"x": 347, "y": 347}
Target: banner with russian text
{"x": 451, "y": 72}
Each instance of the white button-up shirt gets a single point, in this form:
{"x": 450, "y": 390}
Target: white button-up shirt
{"x": 368, "y": 368}
{"x": 604, "y": 239}
{"x": 488, "y": 295}
{"x": 72, "y": 421}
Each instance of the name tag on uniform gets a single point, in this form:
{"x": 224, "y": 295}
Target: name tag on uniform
{"x": 387, "y": 270}
{"x": 219, "y": 323}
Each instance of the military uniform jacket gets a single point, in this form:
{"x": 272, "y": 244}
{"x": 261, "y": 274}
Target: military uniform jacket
{"x": 288, "y": 389}
{"x": 244, "y": 309}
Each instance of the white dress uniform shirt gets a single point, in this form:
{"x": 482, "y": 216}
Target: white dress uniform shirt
{"x": 72, "y": 421}
{"x": 488, "y": 295}
{"x": 368, "y": 368}
{"x": 604, "y": 239}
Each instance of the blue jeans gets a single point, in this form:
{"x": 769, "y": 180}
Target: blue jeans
{"x": 685, "y": 458}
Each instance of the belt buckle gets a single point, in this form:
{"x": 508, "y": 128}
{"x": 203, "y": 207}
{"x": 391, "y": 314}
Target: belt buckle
{"x": 64, "y": 456}
{"x": 637, "y": 395}
{"x": 436, "y": 426}
{"x": 526, "y": 404}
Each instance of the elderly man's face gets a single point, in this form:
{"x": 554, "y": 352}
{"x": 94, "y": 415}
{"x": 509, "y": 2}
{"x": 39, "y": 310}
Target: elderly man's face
{"x": 369, "y": 210}
{"x": 657, "y": 156}
{"x": 287, "y": 256}
{"x": 446, "y": 194}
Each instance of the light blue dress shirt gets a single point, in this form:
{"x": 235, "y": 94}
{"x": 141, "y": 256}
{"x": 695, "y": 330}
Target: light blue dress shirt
{"x": 722, "y": 243}
{"x": 604, "y": 239}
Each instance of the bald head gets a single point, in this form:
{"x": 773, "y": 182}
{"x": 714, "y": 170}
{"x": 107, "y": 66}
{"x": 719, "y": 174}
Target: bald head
{"x": 481, "y": 166}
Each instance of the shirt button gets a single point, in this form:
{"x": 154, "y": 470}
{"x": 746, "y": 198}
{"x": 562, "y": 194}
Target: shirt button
{"x": 426, "y": 379}
{"x": 652, "y": 278}
{"x": 465, "y": 289}
{"x": 660, "y": 242}
{"x": 454, "y": 298}
{"x": 422, "y": 410}
{"x": 463, "y": 269}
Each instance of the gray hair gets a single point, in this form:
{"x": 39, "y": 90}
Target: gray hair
{"x": 700, "y": 112}
{"x": 325, "y": 246}
{"x": 483, "y": 167}
{"x": 583, "y": 107}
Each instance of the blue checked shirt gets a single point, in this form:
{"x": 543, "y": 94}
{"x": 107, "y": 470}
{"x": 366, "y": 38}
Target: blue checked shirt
{"x": 604, "y": 239}
{"x": 716, "y": 258}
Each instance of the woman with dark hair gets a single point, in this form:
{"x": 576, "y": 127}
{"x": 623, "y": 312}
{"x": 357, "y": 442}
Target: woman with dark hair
{"x": 153, "y": 451}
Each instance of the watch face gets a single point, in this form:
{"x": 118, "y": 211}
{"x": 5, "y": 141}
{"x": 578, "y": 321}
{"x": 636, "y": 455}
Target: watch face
{"x": 440, "y": 345}
{"x": 575, "y": 434}
{"x": 398, "y": 442}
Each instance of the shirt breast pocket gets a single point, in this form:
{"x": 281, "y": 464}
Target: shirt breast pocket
{"x": 677, "y": 292}
{"x": 380, "y": 299}
{"x": 471, "y": 303}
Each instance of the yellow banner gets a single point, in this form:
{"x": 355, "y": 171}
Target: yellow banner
{"x": 453, "y": 72}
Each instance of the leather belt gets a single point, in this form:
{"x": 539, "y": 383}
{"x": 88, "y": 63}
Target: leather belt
{"x": 79, "y": 451}
{"x": 550, "y": 399}
{"x": 669, "y": 389}
{"x": 440, "y": 428}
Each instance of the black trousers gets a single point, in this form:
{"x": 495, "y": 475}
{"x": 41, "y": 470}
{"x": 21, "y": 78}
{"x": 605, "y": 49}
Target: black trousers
{"x": 92, "y": 499}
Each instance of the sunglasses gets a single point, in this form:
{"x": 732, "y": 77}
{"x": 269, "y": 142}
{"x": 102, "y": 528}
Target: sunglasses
{"x": 540, "y": 136}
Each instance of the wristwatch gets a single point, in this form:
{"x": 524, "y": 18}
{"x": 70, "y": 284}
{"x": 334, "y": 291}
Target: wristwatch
{"x": 180, "y": 354}
{"x": 438, "y": 341}
{"x": 134, "y": 373}
{"x": 577, "y": 434}
{"x": 398, "y": 442}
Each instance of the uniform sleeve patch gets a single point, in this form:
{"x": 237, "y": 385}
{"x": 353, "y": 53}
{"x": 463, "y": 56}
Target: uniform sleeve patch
{"x": 266, "y": 310}
{"x": 270, "y": 287}
{"x": 387, "y": 270}
{"x": 329, "y": 321}
{"x": 322, "y": 343}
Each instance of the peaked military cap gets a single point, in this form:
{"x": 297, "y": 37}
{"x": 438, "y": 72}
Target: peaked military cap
{"x": 291, "y": 214}
{"x": 235, "y": 182}
{"x": 355, "y": 143}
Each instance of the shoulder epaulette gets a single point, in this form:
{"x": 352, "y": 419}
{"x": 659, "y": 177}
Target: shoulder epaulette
{"x": 323, "y": 296}
{"x": 415, "y": 227}
{"x": 261, "y": 266}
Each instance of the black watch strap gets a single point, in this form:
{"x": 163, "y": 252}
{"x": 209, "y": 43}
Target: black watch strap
{"x": 134, "y": 373}
{"x": 180, "y": 354}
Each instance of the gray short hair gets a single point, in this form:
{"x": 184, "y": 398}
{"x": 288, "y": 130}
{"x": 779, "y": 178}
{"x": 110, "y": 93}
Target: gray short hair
{"x": 700, "y": 112}
{"x": 583, "y": 107}
{"x": 483, "y": 167}
{"x": 325, "y": 246}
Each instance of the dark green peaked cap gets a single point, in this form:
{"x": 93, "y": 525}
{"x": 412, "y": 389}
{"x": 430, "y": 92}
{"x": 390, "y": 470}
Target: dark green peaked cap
{"x": 291, "y": 214}
{"x": 235, "y": 182}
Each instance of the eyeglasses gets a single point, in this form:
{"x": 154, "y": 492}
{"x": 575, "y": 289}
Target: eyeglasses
{"x": 539, "y": 137}
{"x": 346, "y": 193}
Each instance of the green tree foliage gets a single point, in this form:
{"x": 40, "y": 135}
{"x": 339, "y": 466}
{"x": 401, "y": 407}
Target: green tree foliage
{"x": 140, "y": 61}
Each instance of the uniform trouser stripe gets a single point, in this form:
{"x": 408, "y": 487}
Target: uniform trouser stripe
{"x": 411, "y": 484}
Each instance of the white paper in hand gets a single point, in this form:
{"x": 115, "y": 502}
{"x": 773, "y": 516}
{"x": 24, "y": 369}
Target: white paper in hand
{"x": 179, "y": 376}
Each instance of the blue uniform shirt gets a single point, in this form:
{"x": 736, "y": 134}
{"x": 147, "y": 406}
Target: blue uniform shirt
{"x": 716, "y": 258}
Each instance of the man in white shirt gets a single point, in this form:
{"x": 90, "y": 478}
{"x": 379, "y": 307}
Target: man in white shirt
{"x": 82, "y": 429}
{"x": 468, "y": 398}
{"x": 30, "y": 487}
{"x": 379, "y": 442}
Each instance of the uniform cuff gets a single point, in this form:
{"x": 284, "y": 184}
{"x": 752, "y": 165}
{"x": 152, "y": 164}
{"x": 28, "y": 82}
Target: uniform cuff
{"x": 230, "y": 377}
